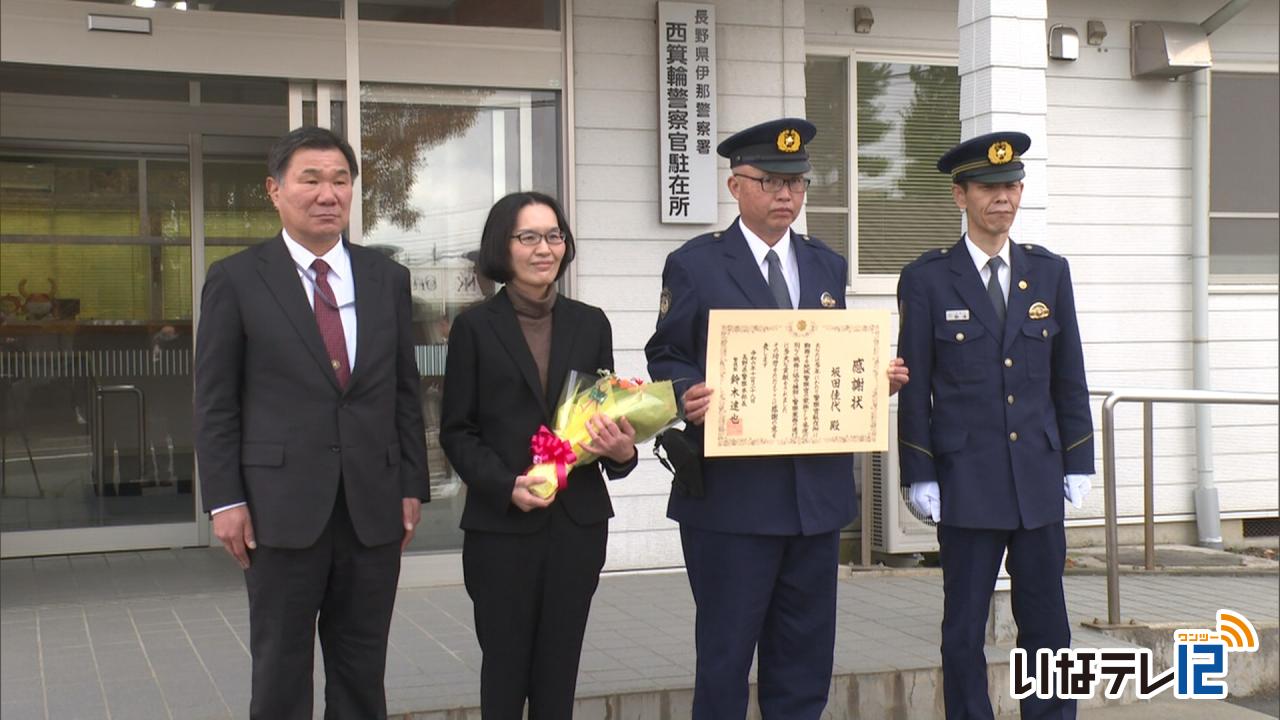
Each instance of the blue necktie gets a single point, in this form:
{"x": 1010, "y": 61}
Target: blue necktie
{"x": 993, "y": 288}
{"x": 778, "y": 283}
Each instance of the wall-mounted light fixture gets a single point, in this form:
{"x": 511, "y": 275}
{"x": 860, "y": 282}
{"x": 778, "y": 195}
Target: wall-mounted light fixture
{"x": 1064, "y": 43}
{"x": 863, "y": 19}
{"x": 1095, "y": 32}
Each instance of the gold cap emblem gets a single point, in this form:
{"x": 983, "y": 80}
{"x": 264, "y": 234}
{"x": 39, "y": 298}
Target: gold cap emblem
{"x": 1000, "y": 152}
{"x": 789, "y": 141}
{"x": 1038, "y": 311}
{"x": 827, "y": 300}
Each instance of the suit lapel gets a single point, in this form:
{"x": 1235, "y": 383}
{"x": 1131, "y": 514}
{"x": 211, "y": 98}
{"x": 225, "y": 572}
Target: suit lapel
{"x": 505, "y": 325}
{"x": 280, "y": 275}
{"x": 811, "y": 274}
{"x": 1019, "y": 300}
{"x": 366, "y": 278}
{"x": 743, "y": 268}
{"x": 968, "y": 284}
{"x": 563, "y": 320}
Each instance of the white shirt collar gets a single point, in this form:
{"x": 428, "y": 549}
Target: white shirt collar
{"x": 980, "y": 256}
{"x": 339, "y": 260}
{"x": 760, "y": 248}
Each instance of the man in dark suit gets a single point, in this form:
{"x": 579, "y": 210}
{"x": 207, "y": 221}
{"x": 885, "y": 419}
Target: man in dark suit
{"x": 309, "y": 435}
{"x": 996, "y": 428}
{"x": 761, "y": 542}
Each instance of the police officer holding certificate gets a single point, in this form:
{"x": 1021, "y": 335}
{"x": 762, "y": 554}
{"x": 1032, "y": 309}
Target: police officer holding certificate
{"x": 995, "y": 429}
{"x": 760, "y": 535}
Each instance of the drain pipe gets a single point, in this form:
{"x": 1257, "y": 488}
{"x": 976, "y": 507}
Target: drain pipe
{"x": 1208, "y": 516}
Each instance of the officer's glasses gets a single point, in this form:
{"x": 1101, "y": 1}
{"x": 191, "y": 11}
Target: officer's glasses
{"x": 529, "y": 238}
{"x": 771, "y": 184}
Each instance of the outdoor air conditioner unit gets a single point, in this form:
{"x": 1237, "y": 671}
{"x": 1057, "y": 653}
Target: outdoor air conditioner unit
{"x": 894, "y": 529}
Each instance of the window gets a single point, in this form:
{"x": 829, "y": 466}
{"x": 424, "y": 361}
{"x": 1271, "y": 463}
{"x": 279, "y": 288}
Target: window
{"x": 905, "y": 115}
{"x": 1244, "y": 199}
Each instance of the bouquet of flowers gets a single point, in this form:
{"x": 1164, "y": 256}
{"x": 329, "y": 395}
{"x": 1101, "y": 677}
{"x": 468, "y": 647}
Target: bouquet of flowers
{"x": 649, "y": 407}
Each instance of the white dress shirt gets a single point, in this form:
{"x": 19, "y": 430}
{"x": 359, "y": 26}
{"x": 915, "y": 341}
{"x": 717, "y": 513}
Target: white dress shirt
{"x": 980, "y": 259}
{"x": 786, "y": 255}
{"x": 344, "y": 291}
{"x": 340, "y": 281}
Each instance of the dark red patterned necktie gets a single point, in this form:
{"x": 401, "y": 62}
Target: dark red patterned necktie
{"x": 329, "y": 321}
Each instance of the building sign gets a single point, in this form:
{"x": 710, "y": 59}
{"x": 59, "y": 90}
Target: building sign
{"x": 687, "y": 112}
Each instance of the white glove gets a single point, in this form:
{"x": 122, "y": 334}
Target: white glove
{"x": 1075, "y": 488}
{"x": 926, "y": 500}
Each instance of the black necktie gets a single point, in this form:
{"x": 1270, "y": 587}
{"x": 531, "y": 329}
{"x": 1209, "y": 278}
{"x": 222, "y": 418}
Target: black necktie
{"x": 777, "y": 283}
{"x": 993, "y": 288}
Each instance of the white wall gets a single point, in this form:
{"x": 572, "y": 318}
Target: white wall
{"x": 1119, "y": 203}
{"x": 1119, "y": 177}
{"x": 1119, "y": 209}
{"x": 622, "y": 246}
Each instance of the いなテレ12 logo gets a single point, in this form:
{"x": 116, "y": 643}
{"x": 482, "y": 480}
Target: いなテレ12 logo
{"x": 1199, "y": 670}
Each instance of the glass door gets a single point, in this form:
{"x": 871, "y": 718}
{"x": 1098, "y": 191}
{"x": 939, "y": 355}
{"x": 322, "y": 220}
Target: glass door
{"x": 434, "y": 160}
{"x": 98, "y": 176}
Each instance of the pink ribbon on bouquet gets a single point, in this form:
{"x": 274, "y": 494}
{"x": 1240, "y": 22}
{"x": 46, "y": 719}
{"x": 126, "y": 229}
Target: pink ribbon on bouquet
{"x": 549, "y": 448}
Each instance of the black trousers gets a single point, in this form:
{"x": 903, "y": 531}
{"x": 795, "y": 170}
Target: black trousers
{"x": 970, "y": 562}
{"x": 532, "y": 593}
{"x": 350, "y": 590}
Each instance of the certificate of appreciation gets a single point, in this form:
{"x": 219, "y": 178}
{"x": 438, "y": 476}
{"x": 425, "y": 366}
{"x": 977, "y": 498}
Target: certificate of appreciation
{"x": 797, "y": 382}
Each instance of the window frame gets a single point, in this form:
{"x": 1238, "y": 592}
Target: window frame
{"x": 1239, "y": 284}
{"x": 859, "y": 284}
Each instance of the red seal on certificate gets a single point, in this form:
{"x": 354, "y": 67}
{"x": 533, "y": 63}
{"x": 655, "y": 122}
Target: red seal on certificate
{"x": 734, "y": 427}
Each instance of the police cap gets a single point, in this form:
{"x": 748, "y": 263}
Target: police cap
{"x": 777, "y": 146}
{"x": 992, "y": 158}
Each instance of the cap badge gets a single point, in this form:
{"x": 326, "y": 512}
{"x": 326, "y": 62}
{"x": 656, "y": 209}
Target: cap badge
{"x": 789, "y": 141}
{"x": 1000, "y": 152}
{"x": 1038, "y": 311}
{"x": 827, "y": 300}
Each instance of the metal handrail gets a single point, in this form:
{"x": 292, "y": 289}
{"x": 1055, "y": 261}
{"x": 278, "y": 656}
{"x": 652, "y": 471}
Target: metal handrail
{"x": 1147, "y": 398}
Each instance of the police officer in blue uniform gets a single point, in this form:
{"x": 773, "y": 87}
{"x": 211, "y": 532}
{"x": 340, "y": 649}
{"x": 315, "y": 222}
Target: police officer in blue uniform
{"x": 995, "y": 430}
{"x": 760, "y": 536}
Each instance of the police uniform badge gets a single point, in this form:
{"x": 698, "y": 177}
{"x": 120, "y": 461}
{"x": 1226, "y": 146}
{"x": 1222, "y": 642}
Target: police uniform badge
{"x": 828, "y": 301}
{"x": 1000, "y": 152}
{"x": 789, "y": 141}
{"x": 664, "y": 302}
{"x": 1038, "y": 311}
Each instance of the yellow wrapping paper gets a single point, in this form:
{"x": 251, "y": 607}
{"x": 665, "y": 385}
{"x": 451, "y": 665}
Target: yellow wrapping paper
{"x": 649, "y": 407}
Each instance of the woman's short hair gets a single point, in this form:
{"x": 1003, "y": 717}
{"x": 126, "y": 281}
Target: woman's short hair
{"x": 494, "y": 261}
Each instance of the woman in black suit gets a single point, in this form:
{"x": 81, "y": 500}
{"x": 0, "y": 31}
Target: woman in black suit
{"x": 530, "y": 565}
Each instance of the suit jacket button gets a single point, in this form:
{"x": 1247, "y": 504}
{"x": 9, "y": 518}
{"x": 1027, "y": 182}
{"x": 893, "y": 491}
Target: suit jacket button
{"x": 1013, "y": 437}
{"x": 1008, "y": 362}
{"x": 1009, "y": 399}
{"x": 334, "y": 448}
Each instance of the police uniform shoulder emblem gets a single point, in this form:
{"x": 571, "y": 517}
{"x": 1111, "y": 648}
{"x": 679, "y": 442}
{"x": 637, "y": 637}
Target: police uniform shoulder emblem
{"x": 1038, "y": 311}
{"x": 789, "y": 141}
{"x": 664, "y": 302}
{"x": 1000, "y": 152}
{"x": 827, "y": 300}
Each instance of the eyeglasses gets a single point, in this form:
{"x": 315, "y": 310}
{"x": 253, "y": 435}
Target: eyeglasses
{"x": 530, "y": 238}
{"x": 771, "y": 184}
